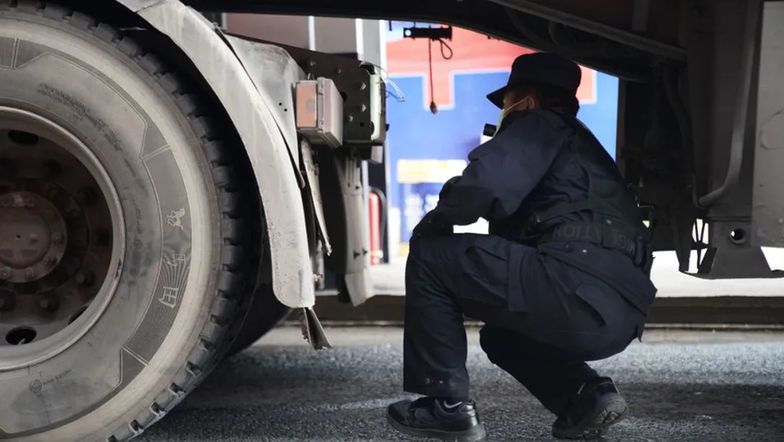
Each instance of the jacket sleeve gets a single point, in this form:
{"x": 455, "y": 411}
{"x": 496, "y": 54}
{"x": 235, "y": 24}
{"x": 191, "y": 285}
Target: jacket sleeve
{"x": 502, "y": 172}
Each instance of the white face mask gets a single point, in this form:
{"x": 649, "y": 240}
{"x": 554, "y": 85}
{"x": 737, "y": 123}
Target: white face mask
{"x": 505, "y": 111}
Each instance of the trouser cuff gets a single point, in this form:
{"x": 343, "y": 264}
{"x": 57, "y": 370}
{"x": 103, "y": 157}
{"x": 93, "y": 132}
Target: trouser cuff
{"x": 435, "y": 387}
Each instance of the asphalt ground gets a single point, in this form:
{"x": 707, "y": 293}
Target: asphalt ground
{"x": 681, "y": 386}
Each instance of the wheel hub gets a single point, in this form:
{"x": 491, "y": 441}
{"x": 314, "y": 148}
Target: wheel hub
{"x": 33, "y": 237}
{"x": 61, "y": 231}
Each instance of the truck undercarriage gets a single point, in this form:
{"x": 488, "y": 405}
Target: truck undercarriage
{"x": 694, "y": 75}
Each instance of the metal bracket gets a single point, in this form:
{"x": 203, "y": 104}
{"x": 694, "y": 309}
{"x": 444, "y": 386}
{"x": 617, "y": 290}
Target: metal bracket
{"x": 731, "y": 256}
{"x": 312, "y": 330}
{"x": 751, "y": 30}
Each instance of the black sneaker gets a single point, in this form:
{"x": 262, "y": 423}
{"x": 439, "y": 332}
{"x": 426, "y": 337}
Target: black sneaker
{"x": 595, "y": 407}
{"x": 427, "y": 417}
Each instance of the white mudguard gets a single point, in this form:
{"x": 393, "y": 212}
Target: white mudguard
{"x": 268, "y": 135}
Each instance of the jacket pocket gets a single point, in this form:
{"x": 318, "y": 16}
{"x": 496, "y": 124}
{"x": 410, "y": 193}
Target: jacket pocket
{"x": 598, "y": 302}
{"x": 485, "y": 272}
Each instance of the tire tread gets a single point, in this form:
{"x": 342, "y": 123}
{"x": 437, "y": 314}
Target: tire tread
{"x": 233, "y": 279}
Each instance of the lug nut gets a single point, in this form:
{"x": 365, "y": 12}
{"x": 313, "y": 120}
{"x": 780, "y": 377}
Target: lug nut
{"x": 48, "y": 303}
{"x": 5, "y": 273}
{"x": 51, "y": 261}
{"x": 57, "y": 238}
{"x": 30, "y": 274}
{"x": 51, "y": 193}
{"x": 84, "y": 278}
{"x": 17, "y": 200}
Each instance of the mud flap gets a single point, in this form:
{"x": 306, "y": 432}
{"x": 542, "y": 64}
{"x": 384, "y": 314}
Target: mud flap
{"x": 311, "y": 173}
{"x": 346, "y": 218}
{"x": 312, "y": 330}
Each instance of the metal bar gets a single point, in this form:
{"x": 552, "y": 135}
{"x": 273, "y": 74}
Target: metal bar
{"x": 767, "y": 216}
{"x": 542, "y": 44}
{"x": 606, "y": 31}
{"x": 719, "y": 312}
{"x": 640, "y": 12}
{"x": 750, "y": 31}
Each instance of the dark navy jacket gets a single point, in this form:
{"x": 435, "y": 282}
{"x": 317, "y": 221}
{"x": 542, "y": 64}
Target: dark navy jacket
{"x": 537, "y": 160}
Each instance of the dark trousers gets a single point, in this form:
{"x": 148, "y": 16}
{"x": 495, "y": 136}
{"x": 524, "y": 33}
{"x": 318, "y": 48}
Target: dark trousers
{"x": 568, "y": 317}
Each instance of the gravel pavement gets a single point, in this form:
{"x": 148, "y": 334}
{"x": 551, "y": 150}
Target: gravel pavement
{"x": 681, "y": 386}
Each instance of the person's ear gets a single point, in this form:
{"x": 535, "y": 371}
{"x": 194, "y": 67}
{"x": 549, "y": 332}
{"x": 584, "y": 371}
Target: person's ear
{"x": 526, "y": 103}
{"x": 529, "y": 103}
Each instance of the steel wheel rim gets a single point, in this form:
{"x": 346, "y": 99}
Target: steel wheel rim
{"x": 16, "y": 127}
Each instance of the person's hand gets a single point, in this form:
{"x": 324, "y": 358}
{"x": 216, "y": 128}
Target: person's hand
{"x": 430, "y": 226}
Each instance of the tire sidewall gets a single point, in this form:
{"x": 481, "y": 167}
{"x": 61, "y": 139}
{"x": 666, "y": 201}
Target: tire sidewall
{"x": 170, "y": 211}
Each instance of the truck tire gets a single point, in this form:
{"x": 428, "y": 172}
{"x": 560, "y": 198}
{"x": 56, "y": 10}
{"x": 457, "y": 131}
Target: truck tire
{"x": 264, "y": 313}
{"x": 127, "y": 244}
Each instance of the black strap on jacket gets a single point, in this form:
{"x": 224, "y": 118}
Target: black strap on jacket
{"x": 605, "y": 234}
{"x": 607, "y": 230}
{"x": 559, "y": 210}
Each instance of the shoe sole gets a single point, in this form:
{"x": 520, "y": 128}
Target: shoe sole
{"x": 475, "y": 434}
{"x": 596, "y": 426}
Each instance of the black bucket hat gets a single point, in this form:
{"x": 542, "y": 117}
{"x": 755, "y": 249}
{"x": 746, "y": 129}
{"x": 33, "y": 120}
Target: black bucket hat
{"x": 540, "y": 68}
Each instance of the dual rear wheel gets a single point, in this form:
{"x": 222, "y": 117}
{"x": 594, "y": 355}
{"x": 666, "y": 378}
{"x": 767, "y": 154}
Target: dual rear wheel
{"x": 129, "y": 231}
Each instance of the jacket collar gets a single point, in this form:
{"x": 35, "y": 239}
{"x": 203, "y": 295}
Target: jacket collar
{"x": 516, "y": 115}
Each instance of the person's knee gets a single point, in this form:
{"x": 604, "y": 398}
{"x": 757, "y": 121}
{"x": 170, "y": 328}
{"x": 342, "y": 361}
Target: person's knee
{"x": 613, "y": 344}
{"x": 420, "y": 277}
{"x": 492, "y": 340}
{"x": 421, "y": 264}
